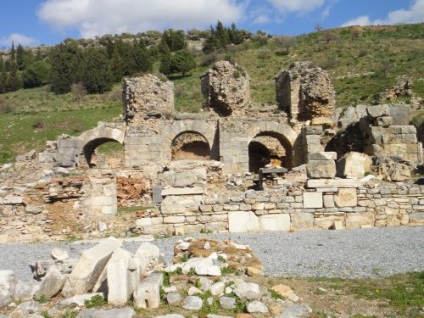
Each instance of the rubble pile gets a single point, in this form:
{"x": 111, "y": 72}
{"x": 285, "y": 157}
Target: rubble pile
{"x": 219, "y": 277}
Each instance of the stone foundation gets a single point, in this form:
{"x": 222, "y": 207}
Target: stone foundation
{"x": 322, "y": 204}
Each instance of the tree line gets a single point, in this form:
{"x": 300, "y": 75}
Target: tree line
{"x": 95, "y": 69}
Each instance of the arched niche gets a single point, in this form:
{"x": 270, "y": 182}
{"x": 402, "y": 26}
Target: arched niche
{"x": 270, "y": 148}
{"x": 103, "y": 153}
{"x": 190, "y": 145}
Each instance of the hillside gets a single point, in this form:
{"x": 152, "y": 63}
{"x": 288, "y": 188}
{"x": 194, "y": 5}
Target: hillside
{"x": 362, "y": 62}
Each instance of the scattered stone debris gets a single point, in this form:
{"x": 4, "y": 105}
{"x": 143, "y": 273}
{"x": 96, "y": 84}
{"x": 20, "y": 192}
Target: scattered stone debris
{"x": 214, "y": 277}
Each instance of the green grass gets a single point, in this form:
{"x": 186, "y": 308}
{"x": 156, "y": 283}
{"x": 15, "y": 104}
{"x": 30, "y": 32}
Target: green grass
{"x": 403, "y": 292}
{"x": 21, "y": 132}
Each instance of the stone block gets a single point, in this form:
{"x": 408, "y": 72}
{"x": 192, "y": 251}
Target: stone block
{"x": 148, "y": 257}
{"x": 312, "y": 200}
{"x": 329, "y": 155}
{"x": 183, "y": 191}
{"x": 107, "y": 313}
{"x": 302, "y": 221}
{"x": 121, "y": 277}
{"x": 147, "y": 293}
{"x": 240, "y": 222}
{"x": 359, "y": 220}
{"x": 327, "y": 222}
{"x": 89, "y": 267}
{"x": 346, "y": 197}
{"x": 51, "y": 284}
{"x": 328, "y": 201}
{"x": 173, "y": 219}
{"x": 249, "y": 291}
{"x": 353, "y": 165}
{"x": 7, "y": 284}
{"x": 313, "y": 130}
{"x": 275, "y": 222}
{"x": 333, "y": 183}
{"x": 317, "y": 169}
{"x": 416, "y": 218}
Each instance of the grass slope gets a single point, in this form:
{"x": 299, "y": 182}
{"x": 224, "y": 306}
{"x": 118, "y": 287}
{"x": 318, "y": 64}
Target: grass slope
{"x": 361, "y": 61}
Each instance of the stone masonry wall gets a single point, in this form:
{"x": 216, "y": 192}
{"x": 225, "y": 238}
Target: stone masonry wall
{"x": 322, "y": 204}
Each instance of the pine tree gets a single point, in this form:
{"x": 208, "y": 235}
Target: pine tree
{"x": 142, "y": 58}
{"x": 222, "y": 35}
{"x": 20, "y": 57}
{"x": 182, "y": 62}
{"x": 117, "y": 66}
{"x": 36, "y": 74}
{"x": 96, "y": 73}
{"x": 65, "y": 66}
{"x": 165, "y": 60}
{"x": 174, "y": 39}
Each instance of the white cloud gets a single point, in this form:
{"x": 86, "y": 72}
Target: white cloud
{"x": 17, "y": 38}
{"x": 327, "y": 10}
{"x": 261, "y": 19}
{"x": 96, "y": 17}
{"x": 296, "y": 6}
{"x": 414, "y": 14}
{"x": 362, "y": 20}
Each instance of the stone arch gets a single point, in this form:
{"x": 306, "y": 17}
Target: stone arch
{"x": 92, "y": 139}
{"x": 205, "y": 130}
{"x": 283, "y": 133}
{"x": 190, "y": 145}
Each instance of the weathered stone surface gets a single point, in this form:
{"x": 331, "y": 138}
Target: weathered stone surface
{"x": 256, "y": 307}
{"x": 7, "y": 284}
{"x": 147, "y": 94}
{"x": 89, "y": 267}
{"x": 217, "y": 289}
{"x": 51, "y": 284}
{"x": 302, "y": 221}
{"x": 275, "y": 222}
{"x": 226, "y": 88}
{"x": 107, "y": 313}
{"x": 353, "y": 165}
{"x": 346, "y": 197}
{"x": 203, "y": 266}
{"x": 24, "y": 291}
{"x": 227, "y": 302}
{"x": 283, "y": 290}
{"x": 243, "y": 222}
{"x": 296, "y": 311}
{"x": 250, "y": 291}
{"x": 121, "y": 277}
{"x": 148, "y": 257}
{"x": 318, "y": 169}
{"x": 306, "y": 93}
{"x": 147, "y": 293}
{"x": 174, "y": 299}
{"x": 192, "y": 303}
{"x": 312, "y": 200}
{"x": 78, "y": 300}
{"x": 328, "y": 155}
{"x": 357, "y": 220}
{"x": 333, "y": 183}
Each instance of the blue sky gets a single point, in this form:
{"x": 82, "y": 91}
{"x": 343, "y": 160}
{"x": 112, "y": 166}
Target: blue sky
{"x": 48, "y": 22}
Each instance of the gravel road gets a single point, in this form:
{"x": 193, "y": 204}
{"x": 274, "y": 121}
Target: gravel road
{"x": 349, "y": 253}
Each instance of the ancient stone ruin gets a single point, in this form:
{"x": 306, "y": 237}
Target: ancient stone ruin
{"x": 233, "y": 167}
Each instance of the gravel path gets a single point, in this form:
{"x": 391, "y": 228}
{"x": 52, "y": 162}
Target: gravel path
{"x": 349, "y": 253}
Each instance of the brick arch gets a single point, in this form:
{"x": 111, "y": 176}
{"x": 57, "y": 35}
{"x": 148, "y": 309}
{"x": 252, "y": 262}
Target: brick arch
{"x": 201, "y": 127}
{"x": 284, "y": 133}
{"x": 91, "y": 139}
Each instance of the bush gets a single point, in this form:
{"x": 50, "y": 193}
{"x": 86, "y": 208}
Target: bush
{"x": 6, "y": 107}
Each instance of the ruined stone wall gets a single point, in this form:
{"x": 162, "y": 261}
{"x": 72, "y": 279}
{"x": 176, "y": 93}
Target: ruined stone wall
{"x": 322, "y": 204}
